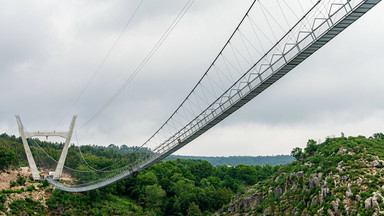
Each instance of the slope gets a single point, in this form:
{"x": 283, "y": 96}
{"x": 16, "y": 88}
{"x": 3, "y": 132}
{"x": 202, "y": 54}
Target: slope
{"x": 342, "y": 176}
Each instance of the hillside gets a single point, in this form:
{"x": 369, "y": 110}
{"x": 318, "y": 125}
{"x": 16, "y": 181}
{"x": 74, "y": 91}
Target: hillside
{"x": 215, "y": 161}
{"x": 342, "y": 176}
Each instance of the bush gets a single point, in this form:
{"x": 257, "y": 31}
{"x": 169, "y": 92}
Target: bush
{"x": 13, "y": 184}
{"x": 21, "y": 180}
{"x": 44, "y": 184}
{"x": 31, "y": 188}
{"x": 26, "y": 207}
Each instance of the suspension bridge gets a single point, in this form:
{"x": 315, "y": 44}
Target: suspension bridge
{"x": 271, "y": 39}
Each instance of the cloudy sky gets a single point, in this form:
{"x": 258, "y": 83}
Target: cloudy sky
{"x": 50, "y": 50}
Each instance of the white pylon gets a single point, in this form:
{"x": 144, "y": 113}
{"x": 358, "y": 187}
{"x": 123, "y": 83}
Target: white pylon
{"x": 66, "y": 135}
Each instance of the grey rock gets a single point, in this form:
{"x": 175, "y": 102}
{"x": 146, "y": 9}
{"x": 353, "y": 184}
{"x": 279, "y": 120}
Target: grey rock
{"x": 342, "y": 151}
{"x": 300, "y": 174}
{"x": 315, "y": 201}
{"x": 375, "y": 163}
{"x": 335, "y": 205}
{"x": 368, "y": 203}
{"x": 340, "y": 163}
{"x": 308, "y": 164}
{"x": 359, "y": 181}
{"x": 291, "y": 176}
{"x": 320, "y": 175}
{"x": 375, "y": 204}
{"x": 330, "y": 212}
{"x": 314, "y": 181}
{"x": 358, "y": 197}
{"x": 278, "y": 191}
{"x": 324, "y": 192}
{"x": 347, "y": 209}
{"x": 245, "y": 204}
{"x": 344, "y": 179}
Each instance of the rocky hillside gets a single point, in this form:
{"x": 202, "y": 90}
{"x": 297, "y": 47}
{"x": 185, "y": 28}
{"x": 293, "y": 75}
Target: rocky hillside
{"x": 342, "y": 176}
{"x": 20, "y": 194}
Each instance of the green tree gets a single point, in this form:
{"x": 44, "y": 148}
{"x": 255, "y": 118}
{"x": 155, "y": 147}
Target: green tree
{"x": 297, "y": 153}
{"x": 378, "y": 136}
{"x": 154, "y": 195}
{"x": 194, "y": 210}
{"x": 311, "y": 147}
{"x": 7, "y": 157}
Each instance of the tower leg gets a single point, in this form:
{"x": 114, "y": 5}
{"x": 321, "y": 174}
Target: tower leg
{"x": 63, "y": 156}
{"x": 31, "y": 161}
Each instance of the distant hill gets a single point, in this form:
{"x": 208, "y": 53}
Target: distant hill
{"x": 236, "y": 160}
{"x": 342, "y": 176}
{"x": 215, "y": 161}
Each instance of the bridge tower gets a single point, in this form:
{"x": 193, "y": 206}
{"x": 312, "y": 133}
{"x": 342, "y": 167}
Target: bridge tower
{"x": 28, "y": 134}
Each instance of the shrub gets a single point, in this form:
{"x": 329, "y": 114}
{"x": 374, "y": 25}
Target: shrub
{"x": 21, "y": 180}
{"x": 13, "y": 184}
{"x": 31, "y": 188}
{"x": 26, "y": 207}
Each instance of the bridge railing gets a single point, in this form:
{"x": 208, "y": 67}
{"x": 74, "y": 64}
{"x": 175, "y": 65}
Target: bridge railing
{"x": 261, "y": 72}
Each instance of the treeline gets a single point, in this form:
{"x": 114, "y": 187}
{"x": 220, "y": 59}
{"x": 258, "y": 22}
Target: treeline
{"x": 46, "y": 154}
{"x": 236, "y": 160}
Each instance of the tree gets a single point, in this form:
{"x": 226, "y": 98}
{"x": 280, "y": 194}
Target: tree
{"x": 297, "y": 153}
{"x": 154, "y": 195}
{"x": 194, "y": 210}
{"x": 311, "y": 147}
{"x": 378, "y": 136}
{"x": 7, "y": 157}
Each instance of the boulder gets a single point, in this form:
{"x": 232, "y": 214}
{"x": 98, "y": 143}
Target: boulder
{"x": 342, "y": 151}
{"x": 291, "y": 176}
{"x": 359, "y": 181}
{"x": 358, "y": 197}
{"x": 278, "y": 191}
{"x": 375, "y": 204}
{"x": 315, "y": 201}
{"x": 349, "y": 193}
{"x": 335, "y": 205}
{"x": 368, "y": 203}
{"x": 344, "y": 179}
{"x": 314, "y": 181}
{"x": 300, "y": 174}
{"x": 324, "y": 193}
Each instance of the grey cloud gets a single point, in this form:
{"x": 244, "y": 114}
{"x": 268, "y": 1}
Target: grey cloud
{"x": 41, "y": 75}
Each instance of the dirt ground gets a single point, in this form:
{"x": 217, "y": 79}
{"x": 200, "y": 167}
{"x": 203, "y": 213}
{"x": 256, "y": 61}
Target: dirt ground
{"x": 10, "y": 175}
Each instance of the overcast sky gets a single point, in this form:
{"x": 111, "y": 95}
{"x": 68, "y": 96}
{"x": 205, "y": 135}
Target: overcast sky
{"x": 49, "y": 50}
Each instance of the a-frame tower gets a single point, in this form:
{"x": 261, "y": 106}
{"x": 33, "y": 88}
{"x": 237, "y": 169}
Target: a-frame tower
{"x": 28, "y": 134}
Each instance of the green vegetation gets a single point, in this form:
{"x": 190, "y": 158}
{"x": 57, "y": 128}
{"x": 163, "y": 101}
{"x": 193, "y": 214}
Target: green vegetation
{"x": 27, "y": 207}
{"x": 335, "y": 177}
{"x": 179, "y": 187}
{"x": 341, "y": 176}
{"x": 174, "y": 187}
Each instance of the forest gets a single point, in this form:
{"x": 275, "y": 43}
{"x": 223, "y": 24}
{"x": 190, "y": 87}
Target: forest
{"x": 173, "y": 187}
